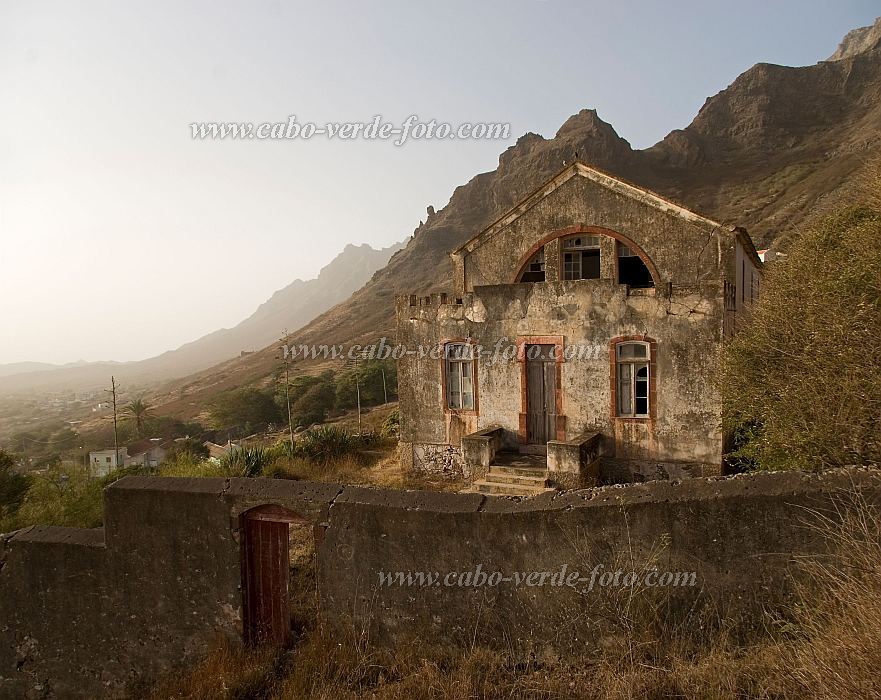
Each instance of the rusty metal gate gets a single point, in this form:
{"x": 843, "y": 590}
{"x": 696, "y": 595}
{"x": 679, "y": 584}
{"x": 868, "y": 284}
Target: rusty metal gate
{"x": 266, "y": 575}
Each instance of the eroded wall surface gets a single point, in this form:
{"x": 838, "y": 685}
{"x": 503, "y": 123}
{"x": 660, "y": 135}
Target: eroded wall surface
{"x": 686, "y": 422}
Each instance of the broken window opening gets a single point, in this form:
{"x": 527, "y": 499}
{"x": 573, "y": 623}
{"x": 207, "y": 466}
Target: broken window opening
{"x": 460, "y": 376}
{"x": 632, "y": 271}
{"x": 581, "y": 258}
{"x": 535, "y": 268}
{"x": 633, "y": 379}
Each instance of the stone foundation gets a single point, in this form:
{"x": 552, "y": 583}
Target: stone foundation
{"x": 438, "y": 460}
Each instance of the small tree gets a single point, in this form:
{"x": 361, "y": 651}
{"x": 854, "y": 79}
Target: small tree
{"x": 246, "y": 408}
{"x": 314, "y": 404}
{"x": 368, "y": 378}
{"x": 188, "y": 448}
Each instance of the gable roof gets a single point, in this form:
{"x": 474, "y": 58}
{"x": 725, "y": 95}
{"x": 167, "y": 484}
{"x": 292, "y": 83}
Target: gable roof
{"x": 580, "y": 169}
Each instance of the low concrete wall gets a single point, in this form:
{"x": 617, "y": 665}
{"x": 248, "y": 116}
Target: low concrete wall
{"x": 88, "y": 613}
{"x": 575, "y": 463}
{"x": 479, "y": 449}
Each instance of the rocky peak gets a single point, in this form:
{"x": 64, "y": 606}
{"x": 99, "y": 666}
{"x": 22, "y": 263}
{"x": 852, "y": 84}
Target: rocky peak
{"x": 858, "y": 41}
{"x": 594, "y": 140}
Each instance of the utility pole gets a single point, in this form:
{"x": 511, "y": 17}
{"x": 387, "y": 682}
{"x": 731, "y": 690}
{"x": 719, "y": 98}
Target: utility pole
{"x": 358, "y": 396}
{"x": 287, "y": 396}
{"x": 112, "y": 391}
{"x": 287, "y": 388}
{"x": 384, "y": 390}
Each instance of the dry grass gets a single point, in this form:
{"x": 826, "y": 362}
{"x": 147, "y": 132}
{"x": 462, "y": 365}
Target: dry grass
{"x": 224, "y": 673}
{"x": 325, "y": 668}
{"x": 378, "y": 466}
{"x": 836, "y": 650}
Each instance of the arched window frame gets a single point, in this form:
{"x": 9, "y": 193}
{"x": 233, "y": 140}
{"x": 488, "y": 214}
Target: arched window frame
{"x": 584, "y": 229}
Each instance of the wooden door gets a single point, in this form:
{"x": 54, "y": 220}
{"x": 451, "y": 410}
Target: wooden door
{"x": 266, "y": 572}
{"x": 541, "y": 392}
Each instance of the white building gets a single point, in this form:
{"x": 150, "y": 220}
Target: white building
{"x": 102, "y": 462}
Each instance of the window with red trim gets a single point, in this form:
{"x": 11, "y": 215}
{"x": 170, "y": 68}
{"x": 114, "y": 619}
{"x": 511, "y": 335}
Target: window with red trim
{"x": 632, "y": 377}
{"x": 459, "y": 370}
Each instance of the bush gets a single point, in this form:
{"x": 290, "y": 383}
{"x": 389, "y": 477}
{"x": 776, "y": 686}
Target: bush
{"x": 391, "y": 426}
{"x": 314, "y": 405}
{"x": 61, "y": 496}
{"x": 802, "y": 382}
{"x": 249, "y": 461}
{"x": 368, "y": 377}
{"x": 327, "y": 444}
{"x": 190, "y": 448}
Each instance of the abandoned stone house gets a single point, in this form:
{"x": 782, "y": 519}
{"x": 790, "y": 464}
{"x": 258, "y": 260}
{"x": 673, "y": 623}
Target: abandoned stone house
{"x": 581, "y": 342}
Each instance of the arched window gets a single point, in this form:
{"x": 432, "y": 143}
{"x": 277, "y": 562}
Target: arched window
{"x": 535, "y": 268}
{"x": 633, "y": 360}
{"x": 632, "y": 271}
{"x": 581, "y": 257}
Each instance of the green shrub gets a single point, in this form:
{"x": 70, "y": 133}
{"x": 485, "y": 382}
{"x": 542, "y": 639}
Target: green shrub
{"x": 368, "y": 378}
{"x": 327, "y": 444}
{"x": 194, "y": 450}
{"x": 247, "y": 409}
{"x": 61, "y": 496}
{"x": 314, "y": 405}
{"x": 391, "y": 426}
{"x": 248, "y": 461}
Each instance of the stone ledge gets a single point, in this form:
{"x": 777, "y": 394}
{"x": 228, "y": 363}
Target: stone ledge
{"x": 55, "y": 534}
{"x": 179, "y": 484}
{"x": 433, "y": 501}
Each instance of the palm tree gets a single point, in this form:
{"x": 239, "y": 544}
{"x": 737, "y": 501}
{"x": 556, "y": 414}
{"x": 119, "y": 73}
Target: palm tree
{"x": 138, "y": 411}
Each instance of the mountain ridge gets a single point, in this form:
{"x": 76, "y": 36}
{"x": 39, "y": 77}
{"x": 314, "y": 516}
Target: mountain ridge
{"x": 287, "y": 309}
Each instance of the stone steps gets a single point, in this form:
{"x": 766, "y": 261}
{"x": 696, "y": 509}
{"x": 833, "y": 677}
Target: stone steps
{"x": 518, "y": 479}
{"x": 503, "y": 480}
{"x": 530, "y": 472}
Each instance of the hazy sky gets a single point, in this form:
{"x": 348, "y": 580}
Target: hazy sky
{"x": 123, "y": 237}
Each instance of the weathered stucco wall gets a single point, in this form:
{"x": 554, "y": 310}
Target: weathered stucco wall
{"x": 87, "y": 612}
{"x": 588, "y": 314}
{"x": 84, "y": 613}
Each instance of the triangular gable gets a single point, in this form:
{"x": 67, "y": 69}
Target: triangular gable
{"x": 579, "y": 169}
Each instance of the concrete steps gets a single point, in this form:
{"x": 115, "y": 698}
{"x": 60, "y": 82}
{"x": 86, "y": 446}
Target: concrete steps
{"x": 506, "y": 480}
